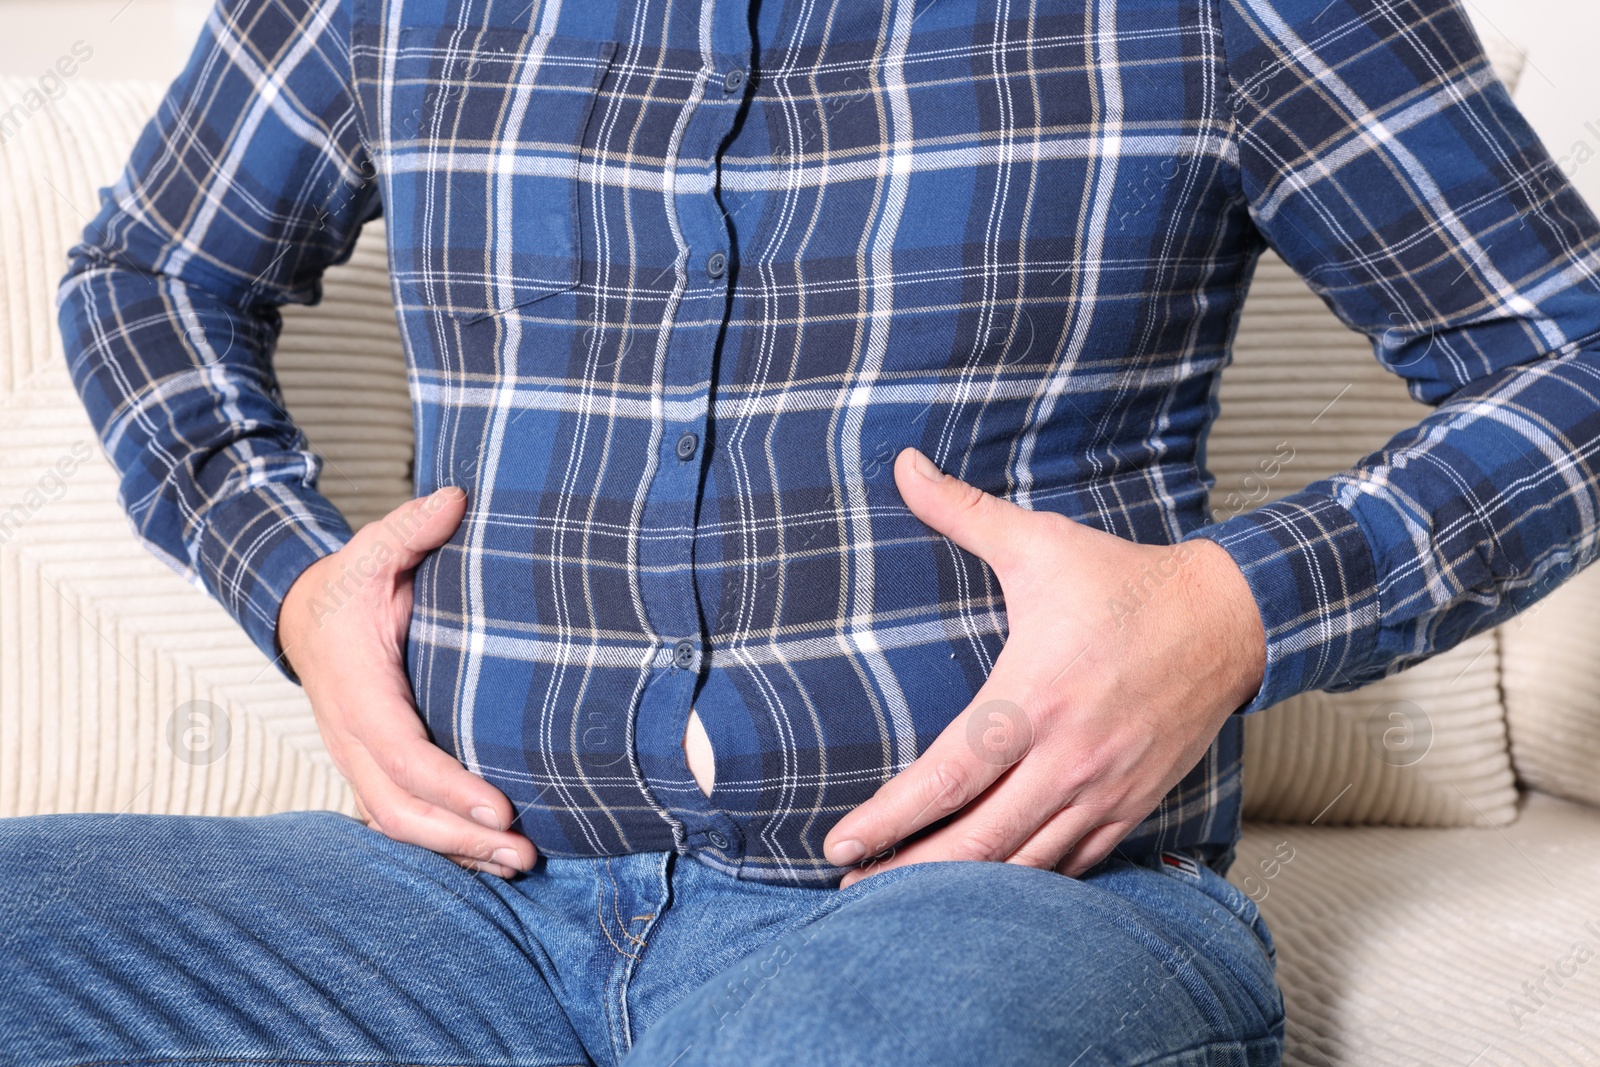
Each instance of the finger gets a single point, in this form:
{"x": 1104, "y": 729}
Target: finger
{"x": 1006, "y": 819}
{"x": 484, "y": 866}
{"x": 948, "y": 776}
{"x": 886, "y": 860}
{"x": 403, "y": 817}
{"x": 1093, "y": 847}
{"x": 977, "y": 521}
{"x": 404, "y": 537}
{"x": 388, "y": 727}
{"x": 1054, "y": 841}
{"x": 949, "y": 843}
{"x": 361, "y": 810}
{"x": 427, "y": 772}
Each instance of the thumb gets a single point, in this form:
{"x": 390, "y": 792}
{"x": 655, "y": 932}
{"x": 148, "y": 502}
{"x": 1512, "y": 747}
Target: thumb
{"x": 412, "y": 530}
{"x": 977, "y": 521}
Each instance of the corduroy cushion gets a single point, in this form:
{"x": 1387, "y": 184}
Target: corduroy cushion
{"x": 1552, "y": 690}
{"x": 1434, "y": 947}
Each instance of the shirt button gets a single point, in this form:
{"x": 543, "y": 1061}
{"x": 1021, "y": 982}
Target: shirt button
{"x": 733, "y": 81}
{"x": 717, "y": 264}
{"x": 683, "y": 654}
{"x": 686, "y": 446}
{"x": 717, "y": 840}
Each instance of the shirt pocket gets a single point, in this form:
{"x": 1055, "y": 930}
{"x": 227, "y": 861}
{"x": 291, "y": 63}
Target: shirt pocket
{"x": 482, "y": 139}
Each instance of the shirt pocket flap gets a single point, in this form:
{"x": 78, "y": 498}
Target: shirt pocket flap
{"x": 481, "y": 137}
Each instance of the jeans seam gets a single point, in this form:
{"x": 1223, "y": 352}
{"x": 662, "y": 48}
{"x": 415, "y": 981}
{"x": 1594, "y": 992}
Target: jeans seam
{"x": 1238, "y": 1044}
{"x": 1223, "y": 900}
{"x": 1247, "y": 913}
{"x": 624, "y": 977}
{"x": 600, "y": 915}
{"x": 616, "y": 899}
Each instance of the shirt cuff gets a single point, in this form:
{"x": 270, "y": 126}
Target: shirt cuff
{"x": 1310, "y": 569}
{"x": 255, "y": 544}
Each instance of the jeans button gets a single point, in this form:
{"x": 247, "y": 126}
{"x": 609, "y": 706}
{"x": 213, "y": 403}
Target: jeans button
{"x": 717, "y": 840}
{"x": 683, "y": 654}
{"x": 717, "y": 265}
{"x": 686, "y": 446}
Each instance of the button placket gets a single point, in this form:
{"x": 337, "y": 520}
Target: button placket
{"x": 688, "y": 373}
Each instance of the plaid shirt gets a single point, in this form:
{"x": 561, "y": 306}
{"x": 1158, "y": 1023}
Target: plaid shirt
{"x": 677, "y": 282}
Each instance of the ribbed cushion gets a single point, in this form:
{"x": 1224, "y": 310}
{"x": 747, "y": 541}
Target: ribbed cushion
{"x": 1426, "y": 747}
{"x": 1305, "y": 397}
{"x": 100, "y": 644}
{"x": 1552, "y": 688}
{"x": 1410, "y": 948}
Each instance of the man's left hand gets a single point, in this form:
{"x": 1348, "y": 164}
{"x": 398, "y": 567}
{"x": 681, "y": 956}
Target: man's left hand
{"x": 1121, "y": 664}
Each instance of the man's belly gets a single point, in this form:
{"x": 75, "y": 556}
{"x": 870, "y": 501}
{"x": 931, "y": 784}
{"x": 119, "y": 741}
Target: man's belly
{"x": 697, "y": 749}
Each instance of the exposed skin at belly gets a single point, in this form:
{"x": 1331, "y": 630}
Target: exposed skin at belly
{"x": 697, "y": 747}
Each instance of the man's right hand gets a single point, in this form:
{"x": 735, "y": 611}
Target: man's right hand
{"x": 343, "y": 629}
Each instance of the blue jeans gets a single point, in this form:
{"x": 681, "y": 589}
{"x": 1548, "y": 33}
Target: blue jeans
{"x": 308, "y": 939}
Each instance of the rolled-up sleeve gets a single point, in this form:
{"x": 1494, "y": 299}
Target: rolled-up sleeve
{"x": 1383, "y": 160}
{"x": 249, "y": 181}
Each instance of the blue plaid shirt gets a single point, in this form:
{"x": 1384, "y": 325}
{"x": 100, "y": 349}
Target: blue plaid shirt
{"x": 677, "y": 282}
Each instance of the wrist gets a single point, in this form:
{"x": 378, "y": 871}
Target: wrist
{"x": 1223, "y": 606}
{"x": 297, "y": 616}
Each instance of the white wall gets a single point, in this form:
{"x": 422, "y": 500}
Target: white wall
{"x": 128, "y": 38}
{"x": 1560, "y": 87}
{"x": 1560, "y": 90}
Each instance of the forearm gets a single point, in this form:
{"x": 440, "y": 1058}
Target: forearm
{"x": 1456, "y": 525}
{"x": 216, "y": 479}
{"x": 249, "y": 181}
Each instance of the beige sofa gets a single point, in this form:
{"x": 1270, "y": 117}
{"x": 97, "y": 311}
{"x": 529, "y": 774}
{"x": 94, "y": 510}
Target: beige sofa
{"x": 1426, "y": 850}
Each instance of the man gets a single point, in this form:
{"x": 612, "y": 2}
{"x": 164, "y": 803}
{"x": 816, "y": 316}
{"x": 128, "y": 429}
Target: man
{"x": 810, "y": 414}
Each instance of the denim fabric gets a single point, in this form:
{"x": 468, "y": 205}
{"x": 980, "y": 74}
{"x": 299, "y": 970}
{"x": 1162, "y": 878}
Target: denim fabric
{"x": 309, "y": 939}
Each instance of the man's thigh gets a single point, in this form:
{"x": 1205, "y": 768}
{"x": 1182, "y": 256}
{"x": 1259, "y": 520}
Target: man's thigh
{"x": 300, "y": 938}
{"x": 974, "y": 963}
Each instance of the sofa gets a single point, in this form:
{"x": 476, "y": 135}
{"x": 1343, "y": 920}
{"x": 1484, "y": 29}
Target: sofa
{"x": 1426, "y": 850}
